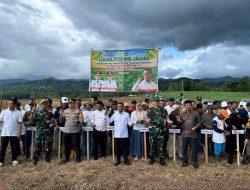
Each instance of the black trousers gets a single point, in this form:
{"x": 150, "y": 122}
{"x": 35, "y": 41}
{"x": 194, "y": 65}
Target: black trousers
{"x": 22, "y": 138}
{"x": 27, "y": 143}
{"x": 193, "y": 144}
{"x": 99, "y": 138}
{"x": 14, "y": 147}
{"x": 121, "y": 148}
{"x": 71, "y": 140}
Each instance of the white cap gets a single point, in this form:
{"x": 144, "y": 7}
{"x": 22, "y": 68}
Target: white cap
{"x": 64, "y": 100}
{"x": 175, "y": 106}
{"x": 223, "y": 104}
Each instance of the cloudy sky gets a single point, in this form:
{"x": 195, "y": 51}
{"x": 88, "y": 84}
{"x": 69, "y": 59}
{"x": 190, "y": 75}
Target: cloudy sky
{"x": 198, "y": 38}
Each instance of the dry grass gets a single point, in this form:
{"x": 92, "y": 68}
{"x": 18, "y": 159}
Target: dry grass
{"x": 102, "y": 174}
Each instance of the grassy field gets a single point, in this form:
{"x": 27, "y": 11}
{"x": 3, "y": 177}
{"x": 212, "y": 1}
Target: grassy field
{"x": 208, "y": 95}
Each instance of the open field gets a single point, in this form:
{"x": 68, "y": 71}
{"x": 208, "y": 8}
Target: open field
{"x": 102, "y": 174}
{"x": 208, "y": 95}
{"x": 166, "y": 94}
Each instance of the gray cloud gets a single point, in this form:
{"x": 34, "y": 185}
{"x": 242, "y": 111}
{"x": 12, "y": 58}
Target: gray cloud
{"x": 53, "y": 38}
{"x": 185, "y": 24}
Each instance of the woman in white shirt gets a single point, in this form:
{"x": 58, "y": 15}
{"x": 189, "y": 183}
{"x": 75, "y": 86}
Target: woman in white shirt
{"x": 138, "y": 120}
{"x": 87, "y": 117}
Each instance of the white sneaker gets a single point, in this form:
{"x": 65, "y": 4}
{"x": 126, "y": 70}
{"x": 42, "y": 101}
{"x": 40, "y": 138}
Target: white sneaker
{"x": 15, "y": 163}
{"x": 1, "y": 164}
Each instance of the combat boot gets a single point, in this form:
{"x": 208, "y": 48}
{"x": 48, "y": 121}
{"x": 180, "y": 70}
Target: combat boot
{"x": 152, "y": 161}
{"x": 162, "y": 162}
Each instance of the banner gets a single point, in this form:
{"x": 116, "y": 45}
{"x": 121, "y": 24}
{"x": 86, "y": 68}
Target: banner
{"x": 133, "y": 70}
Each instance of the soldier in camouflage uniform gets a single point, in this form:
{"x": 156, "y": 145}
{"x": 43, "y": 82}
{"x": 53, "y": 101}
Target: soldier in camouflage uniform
{"x": 44, "y": 132}
{"x": 157, "y": 132}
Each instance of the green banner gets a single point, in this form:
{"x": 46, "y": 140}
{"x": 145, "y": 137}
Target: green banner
{"x": 133, "y": 70}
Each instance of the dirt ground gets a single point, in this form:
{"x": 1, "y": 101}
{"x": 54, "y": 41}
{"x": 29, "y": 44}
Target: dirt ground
{"x": 102, "y": 174}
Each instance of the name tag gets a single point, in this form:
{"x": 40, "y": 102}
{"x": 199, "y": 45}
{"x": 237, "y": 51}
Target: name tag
{"x": 175, "y": 131}
{"x": 87, "y": 128}
{"x": 234, "y": 132}
{"x": 111, "y": 128}
{"x": 144, "y": 130}
{"x": 206, "y": 131}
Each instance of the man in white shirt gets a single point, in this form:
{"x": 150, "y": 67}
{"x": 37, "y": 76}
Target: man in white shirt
{"x": 121, "y": 121}
{"x": 170, "y": 105}
{"x": 99, "y": 122}
{"x": 110, "y": 84}
{"x": 146, "y": 84}
{"x": 11, "y": 132}
{"x": 32, "y": 101}
{"x": 97, "y": 84}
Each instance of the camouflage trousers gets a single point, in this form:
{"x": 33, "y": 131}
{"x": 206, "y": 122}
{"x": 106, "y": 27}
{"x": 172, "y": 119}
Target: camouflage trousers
{"x": 157, "y": 138}
{"x": 43, "y": 141}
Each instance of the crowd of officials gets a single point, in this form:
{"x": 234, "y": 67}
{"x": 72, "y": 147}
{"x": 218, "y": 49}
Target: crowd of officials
{"x": 157, "y": 115}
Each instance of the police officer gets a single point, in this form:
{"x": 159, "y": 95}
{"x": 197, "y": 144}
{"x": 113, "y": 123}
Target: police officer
{"x": 157, "y": 118}
{"x": 44, "y": 131}
{"x": 71, "y": 130}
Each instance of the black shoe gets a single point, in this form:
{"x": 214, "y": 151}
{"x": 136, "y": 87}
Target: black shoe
{"x": 152, "y": 161}
{"x": 35, "y": 162}
{"x": 78, "y": 160}
{"x": 184, "y": 164}
{"x": 162, "y": 162}
{"x": 95, "y": 158}
{"x": 244, "y": 162}
{"x": 63, "y": 162}
{"x": 47, "y": 159}
{"x": 117, "y": 163}
{"x": 195, "y": 165}
{"x": 126, "y": 162}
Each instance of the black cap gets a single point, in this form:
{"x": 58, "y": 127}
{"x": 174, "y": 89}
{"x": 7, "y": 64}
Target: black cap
{"x": 161, "y": 99}
{"x": 215, "y": 102}
{"x": 188, "y": 102}
{"x": 171, "y": 99}
{"x": 114, "y": 102}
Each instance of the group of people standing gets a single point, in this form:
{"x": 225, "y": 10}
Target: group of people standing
{"x": 158, "y": 116}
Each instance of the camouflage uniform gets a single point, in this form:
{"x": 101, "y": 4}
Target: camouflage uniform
{"x": 44, "y": 134}
{"x": 157, "y": 132}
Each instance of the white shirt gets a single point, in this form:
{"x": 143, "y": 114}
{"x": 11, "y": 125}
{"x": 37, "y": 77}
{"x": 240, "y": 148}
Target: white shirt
{"x": 10, "y": 121}
{"x": 134, "y": 120}
{"x": 121, "y": 122}
{"x": 110, "y": 85}
{"x": 219, "y": 137}
{"x": 27, "y": 107}
{"x": 87, "y": 117}
{"x": 169, "y": 109}
{"x": 96, "y": 85}
{"x": 100, "y": 120}
{"x": 145, "y": 86}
